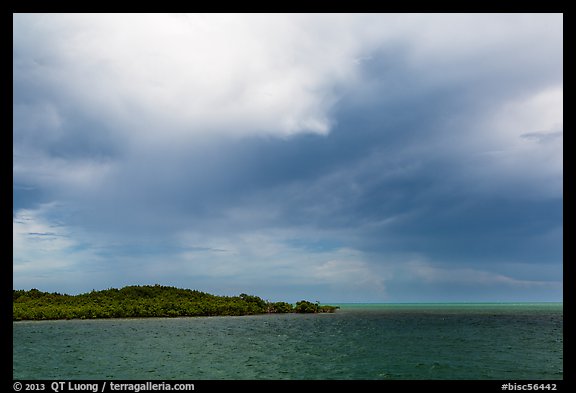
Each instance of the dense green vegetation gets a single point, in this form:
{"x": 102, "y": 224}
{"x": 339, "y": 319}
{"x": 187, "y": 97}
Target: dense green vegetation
{"x": 146, "y": 301}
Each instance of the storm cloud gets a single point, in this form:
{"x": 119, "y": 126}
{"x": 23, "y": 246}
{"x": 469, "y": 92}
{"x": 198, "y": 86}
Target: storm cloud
{"x": 341, "y": 157}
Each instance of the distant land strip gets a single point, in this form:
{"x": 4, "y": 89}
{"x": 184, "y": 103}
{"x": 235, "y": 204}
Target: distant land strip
{"x": 147, "y": 301}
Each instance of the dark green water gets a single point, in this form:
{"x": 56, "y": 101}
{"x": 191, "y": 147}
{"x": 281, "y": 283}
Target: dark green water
{"x": 434, "y": 341}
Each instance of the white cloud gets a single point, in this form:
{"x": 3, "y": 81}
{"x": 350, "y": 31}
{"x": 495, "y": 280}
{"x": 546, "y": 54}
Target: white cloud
{"x": 158, "y": 79}
{"x": 198, "y": 74}
{"x": 35, "y": 241}
{"x": 53, "y": 256}
{"x": 41, "y": 247}
{"x": 270, "y": 257}
{"x": 84, "y": 175}
{"x": 542, "y": 111}
{"x": 350, "y": 273}
{"x": 470, "y": 276}
{"x": 520, "y": 146}
{"x": 194, "y": 74}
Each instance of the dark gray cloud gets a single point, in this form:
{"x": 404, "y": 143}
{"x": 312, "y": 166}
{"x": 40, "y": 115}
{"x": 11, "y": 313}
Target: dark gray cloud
{"x": 406, "y": 157}
{"x": 542, "y": 136}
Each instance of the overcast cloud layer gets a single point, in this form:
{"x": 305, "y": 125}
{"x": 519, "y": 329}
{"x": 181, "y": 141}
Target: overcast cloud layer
{"x": 339, "y": 157}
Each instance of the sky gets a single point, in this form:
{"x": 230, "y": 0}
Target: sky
{"x": 327, "y": 157}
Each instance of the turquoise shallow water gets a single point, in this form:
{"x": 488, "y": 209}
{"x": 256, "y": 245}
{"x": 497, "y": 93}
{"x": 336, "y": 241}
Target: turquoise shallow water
{"x": 359, "y": 341}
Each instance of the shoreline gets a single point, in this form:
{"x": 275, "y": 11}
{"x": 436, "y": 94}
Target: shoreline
{"x": 147, "y": 302}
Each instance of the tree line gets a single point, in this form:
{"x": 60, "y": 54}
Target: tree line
{"x": 147, "y": 301}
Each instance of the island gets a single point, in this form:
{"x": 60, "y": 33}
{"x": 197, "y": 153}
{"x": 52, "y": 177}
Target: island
{"x": 147, "y": 301}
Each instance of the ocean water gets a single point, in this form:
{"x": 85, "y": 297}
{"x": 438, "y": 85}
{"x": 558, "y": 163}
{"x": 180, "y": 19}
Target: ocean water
{"x": 359, "y": 341}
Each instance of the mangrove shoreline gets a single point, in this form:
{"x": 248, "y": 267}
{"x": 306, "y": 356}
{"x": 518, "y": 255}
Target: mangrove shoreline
{"x": 148, "y": 301}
